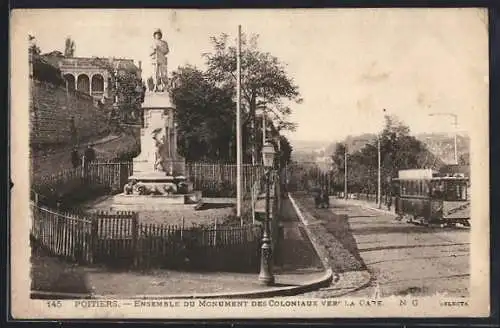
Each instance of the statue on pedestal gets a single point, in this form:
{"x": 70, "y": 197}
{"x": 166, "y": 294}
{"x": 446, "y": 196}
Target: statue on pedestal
{"x": 158, "y": 54}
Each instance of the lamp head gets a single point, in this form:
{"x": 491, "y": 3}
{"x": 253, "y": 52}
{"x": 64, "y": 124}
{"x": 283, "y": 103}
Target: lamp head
{"x": 268, "y": 154}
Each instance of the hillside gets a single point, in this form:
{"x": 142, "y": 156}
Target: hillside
{"x": 442, "y": 145}
{"x": 307, "y": 151}
{"x": 306, "y": 146}
{"x": 439, "y": 144}
{"x": 354, "y": 143}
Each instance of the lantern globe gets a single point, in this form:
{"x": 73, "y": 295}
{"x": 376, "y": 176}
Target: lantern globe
{"x": 268, "y": 153}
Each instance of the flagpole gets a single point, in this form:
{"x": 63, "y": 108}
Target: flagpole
{"x": 238, "y": 126}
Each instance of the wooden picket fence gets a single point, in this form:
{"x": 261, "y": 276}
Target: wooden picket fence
{"x": 214, "y": 180}
{"x": 63, "y": 234}
{"x": 119, "y": 239}
{"x": 219, "y": 180}
{"x": 112, "y": 174}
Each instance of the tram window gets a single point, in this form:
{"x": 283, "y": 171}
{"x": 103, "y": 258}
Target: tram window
{"x": 456, "y": 190}
{"x": 437, "y": 189}
{"x": 404, "y": 188}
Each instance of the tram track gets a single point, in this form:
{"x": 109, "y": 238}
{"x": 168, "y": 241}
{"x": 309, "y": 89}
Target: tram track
{"x": 405, "y": 258}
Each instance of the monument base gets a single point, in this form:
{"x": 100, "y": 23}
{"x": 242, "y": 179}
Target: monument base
{"x": 150, "y": 203}
{"x": 153, "y": 202}
{"x": 157, "y": 184}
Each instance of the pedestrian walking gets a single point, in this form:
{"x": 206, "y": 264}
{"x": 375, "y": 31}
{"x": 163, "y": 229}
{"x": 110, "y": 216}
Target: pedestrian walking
{"x": 89, "y": 153}
{"x": 75, "y": 158}
{"x": 73, "y": 132}
{"x": 88, "y": 158}
{"x": 389, "y": 202}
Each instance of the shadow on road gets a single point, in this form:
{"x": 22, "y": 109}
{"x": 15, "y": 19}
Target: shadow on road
{"x": 410, "y": 247}
{"x": 50, "y": 274}
{"x": 336, "y": 235}
{"x": 296, "y": 251}
{"x": 416, "y": 258}
{"x": 401, "y": 228}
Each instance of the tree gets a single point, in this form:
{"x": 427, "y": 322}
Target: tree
{"x": 264, "y": 82}
{"x": 285, "y": 151}
{"x": 398, "y": 149}
{"x": 464, "y": 159}
{"x": 205, "y": 116}
{"x": 33, "y": 47}
{"x": 69, "y": 47}
{"x": 129, "y": 92}
{"x": 401, "y": 151}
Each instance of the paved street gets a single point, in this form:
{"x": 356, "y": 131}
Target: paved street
{"x": 407, "y": 259}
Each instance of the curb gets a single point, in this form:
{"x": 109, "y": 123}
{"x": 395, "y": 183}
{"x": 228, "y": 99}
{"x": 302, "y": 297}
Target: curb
{"x": 367, "y": 280}
{"x": 35, "y": 294}
{"x": 276, "y": 291}
{"x": 320, "y": 250}
{"x": 312, "y": 285}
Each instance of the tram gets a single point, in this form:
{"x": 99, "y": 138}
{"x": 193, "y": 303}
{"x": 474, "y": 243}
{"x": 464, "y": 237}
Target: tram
{"x": 426, "y": 197}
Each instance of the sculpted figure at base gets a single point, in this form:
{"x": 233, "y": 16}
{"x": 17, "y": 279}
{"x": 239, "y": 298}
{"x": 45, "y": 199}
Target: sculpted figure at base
{"x": 159, "y": 136}
{"x": 158, "y": 54}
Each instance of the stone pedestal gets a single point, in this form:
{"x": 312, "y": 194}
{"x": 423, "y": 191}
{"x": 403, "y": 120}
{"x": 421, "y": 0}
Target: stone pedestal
{"x": 158, "y": 170}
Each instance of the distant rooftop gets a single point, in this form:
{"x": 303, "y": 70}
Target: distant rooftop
{"x": 57, "y": 59}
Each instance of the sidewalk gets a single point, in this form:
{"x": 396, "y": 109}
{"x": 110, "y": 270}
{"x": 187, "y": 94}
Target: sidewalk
{"x": 175, "y": 284}
{"x": 365, "y": 204}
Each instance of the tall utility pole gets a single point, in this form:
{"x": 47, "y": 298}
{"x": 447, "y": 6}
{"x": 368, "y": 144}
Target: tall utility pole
{"x": 345, "y": 172}
{"x": 263, "y": 126}
{"x": 238, "y": 126}
{"x": 379, "y": 174}
{"x": 455, "y": 125}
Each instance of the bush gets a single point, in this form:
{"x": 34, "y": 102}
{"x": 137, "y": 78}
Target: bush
{"x": 71, "y": 196}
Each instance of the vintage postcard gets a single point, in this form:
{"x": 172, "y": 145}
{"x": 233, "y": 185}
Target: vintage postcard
{"x": 234, "y": 164}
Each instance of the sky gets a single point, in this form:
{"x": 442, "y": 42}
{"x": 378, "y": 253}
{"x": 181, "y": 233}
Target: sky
{"x": 349, "y": 64}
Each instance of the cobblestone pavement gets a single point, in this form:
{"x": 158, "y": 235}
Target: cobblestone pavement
{"x": 403, "y": 258}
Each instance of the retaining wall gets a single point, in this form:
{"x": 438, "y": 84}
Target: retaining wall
{"x": 51, "y": 110}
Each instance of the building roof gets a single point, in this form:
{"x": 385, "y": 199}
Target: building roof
{"x": 57, "y": 59}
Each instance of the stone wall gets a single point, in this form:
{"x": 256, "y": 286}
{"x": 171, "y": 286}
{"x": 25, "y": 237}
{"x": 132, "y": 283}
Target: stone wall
{"x": 51, "y": 109}
{"x": 51, "y": 140}
{"x": 46, "y": 162}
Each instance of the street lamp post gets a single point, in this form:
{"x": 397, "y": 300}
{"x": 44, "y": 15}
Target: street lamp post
{"x": 455, "y": 125}
{"x": 266, "y": 276}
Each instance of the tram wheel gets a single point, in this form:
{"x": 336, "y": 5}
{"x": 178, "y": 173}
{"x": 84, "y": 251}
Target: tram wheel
{"x": 422, "y": 221}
